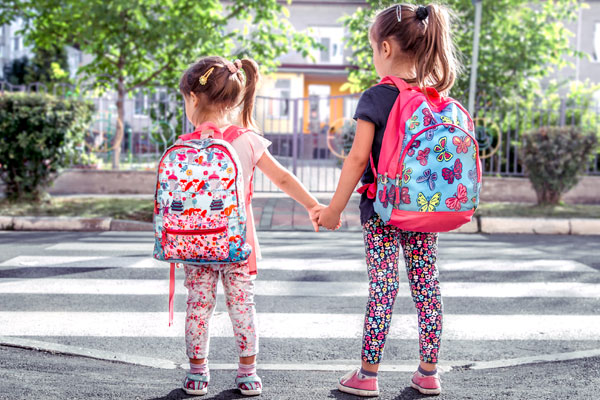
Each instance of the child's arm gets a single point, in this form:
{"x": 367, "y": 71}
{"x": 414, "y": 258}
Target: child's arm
{"x": 353, "y": 169}
{"x": 287, "y": 182}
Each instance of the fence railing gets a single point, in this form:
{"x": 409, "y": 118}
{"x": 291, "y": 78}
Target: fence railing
{"x": 309, "y": 136}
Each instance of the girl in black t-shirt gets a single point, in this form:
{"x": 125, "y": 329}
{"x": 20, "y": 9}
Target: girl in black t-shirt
{"x": 412, "y": 43}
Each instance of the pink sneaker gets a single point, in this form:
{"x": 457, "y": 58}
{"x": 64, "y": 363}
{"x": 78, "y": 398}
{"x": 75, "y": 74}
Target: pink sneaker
{"x": 426, "y": 384}
{"x": 350, "y": 383}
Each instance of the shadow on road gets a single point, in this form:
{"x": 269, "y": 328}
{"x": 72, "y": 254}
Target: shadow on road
{"x": 407, "y": 394}
{"x": 180, "y": 394}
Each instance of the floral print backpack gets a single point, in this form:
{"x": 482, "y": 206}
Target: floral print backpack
{"x": 428, "y": 176}
{"x": 199, "y": 207}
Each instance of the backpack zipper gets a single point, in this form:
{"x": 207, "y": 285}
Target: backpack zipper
{"x": 195, "y": 231}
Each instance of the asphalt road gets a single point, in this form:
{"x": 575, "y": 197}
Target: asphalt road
{"x": 506, "y": 298}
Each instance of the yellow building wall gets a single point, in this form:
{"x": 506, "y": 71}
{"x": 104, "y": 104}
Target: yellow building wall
{"x": 336, "y": 107}
{"x": 263, "y": 106}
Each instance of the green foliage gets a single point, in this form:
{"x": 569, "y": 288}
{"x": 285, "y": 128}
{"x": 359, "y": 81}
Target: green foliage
{"x": 521, "y": 41}
{"x": 40, "y": 134}
{"x": 167, "y": 122}
{"x": 150, "y": 42}
{"x": 48, "y": 66}
{"x": 15, "y": 72}
{"x": 555, "y": 158}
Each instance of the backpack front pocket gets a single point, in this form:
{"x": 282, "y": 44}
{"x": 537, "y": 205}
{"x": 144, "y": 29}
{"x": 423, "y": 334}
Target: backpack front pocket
{"x": 203, "y": 241}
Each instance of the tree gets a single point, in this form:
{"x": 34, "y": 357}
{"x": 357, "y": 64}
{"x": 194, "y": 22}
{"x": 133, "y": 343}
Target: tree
{"x": 521, "y": 41}
{"x": 150, "y": 42}
{"x": 15, "y": 72}
{"x": 48, "y": 66}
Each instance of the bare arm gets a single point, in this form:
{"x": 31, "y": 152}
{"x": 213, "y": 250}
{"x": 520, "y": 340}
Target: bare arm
{"x": 287, "y": 182}
{"x": 353, "y": 169}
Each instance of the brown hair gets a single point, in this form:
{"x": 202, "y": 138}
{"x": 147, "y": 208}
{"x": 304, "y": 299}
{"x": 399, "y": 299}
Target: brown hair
{"x": 423, "y": 34}
{"x": 222, "y": 88}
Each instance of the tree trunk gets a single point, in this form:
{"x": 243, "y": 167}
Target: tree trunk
{"x": 120, "y": 124}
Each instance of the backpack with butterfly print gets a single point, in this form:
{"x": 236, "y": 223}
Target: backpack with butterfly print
{"x": 429, "y": 173}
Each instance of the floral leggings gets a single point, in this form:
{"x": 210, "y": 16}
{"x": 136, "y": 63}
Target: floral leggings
{"x": 420, "y": 254}
{"x": 201, "y": 282}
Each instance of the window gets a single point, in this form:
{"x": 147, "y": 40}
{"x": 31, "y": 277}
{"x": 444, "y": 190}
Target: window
{"x": 74, "y": 60}
{"x": 326, "y": 52}
{"x": 596, "y": 55}
{"x": 140, "y": 103}
{"x": 16, "y": 43}
{"x": 332, "y": 39}
{"x": 279, "y": 106}
{"x": 319, "y": 107}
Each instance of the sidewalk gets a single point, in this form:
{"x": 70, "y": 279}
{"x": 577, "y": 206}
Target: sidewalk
{"x": 277, "y": 212}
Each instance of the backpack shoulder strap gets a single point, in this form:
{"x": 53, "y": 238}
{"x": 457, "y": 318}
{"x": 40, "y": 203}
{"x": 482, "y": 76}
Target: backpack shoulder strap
{"x": 233, "y": 132}
{"x": 394, "y": 80}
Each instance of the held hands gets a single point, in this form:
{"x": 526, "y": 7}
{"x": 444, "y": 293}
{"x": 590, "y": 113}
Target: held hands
{"x": 314, "y": 213}
{"x": 330, "y": 219}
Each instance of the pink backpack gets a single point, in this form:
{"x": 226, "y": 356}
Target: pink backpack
{"x": 429, "y": 174}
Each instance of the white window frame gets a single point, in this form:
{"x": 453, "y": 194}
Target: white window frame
{"x": 276, "y": 107}
{"x": 596, "y": 43}
{"x": 335, "y": 52}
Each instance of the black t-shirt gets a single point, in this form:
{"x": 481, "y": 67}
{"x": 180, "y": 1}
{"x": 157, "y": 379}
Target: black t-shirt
{"x": 374, "y": 106}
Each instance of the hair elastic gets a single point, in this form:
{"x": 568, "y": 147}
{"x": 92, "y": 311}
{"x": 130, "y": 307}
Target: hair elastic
{"x": 233, "y": 67}
{"x": 204, "y": 78}
{"x": 399, "y": 12}
{"x": 422, "y": 13}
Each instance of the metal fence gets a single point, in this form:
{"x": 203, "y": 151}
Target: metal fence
{"x": 500, "y": 130}
{"x": 309, "y": 136}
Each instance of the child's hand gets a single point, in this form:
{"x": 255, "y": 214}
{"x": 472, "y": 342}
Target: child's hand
{"x": 314, "y": 213}
{"x": 330, "y": 219}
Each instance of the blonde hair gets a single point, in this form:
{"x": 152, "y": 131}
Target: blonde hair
{"x": 223, "y": 88}
{"x": 423, "y": 34}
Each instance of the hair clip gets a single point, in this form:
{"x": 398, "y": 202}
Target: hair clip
{"x": 204, "y": 78}
{"x": 399, "y": 12}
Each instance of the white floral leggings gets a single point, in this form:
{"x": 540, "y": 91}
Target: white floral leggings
{"x": 201, "y": 282}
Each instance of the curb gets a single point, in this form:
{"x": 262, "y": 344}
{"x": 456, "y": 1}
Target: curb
{"x": 445, "y": 367}
{"x": 485, "y": 225}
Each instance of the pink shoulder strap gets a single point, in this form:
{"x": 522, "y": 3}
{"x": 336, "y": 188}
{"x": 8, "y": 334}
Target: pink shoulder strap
{"x": 229, "y": 135}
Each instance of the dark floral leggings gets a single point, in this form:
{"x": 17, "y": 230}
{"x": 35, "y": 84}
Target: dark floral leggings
{"x": 420, "y": 254}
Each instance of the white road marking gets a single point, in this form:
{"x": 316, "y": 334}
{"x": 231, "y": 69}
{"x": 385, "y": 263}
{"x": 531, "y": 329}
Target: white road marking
{"x": 300, "y": 326}
{"x": 287, "y": 264}
{"x": 302, "y": 289}
{"x": 140, "y": 247}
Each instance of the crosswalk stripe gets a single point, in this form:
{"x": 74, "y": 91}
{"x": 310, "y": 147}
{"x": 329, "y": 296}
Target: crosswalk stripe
{"x": 287, "y": 264}
{"x": 307, "y": 326}
{"x": 146, "y": 247}
{"x": 299, "y": 288}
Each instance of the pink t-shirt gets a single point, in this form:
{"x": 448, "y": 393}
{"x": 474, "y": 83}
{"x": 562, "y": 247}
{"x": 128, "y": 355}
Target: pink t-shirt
{"x": 249, "y": 147}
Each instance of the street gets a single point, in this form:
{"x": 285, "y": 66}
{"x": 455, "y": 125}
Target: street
{"x": 514, "y": 305}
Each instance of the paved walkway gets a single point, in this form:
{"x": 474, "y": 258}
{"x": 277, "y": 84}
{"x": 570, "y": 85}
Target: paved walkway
{"x": 276, "y": 212}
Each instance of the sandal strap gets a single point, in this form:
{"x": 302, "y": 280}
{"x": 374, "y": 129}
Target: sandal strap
{"x": 198, "y": 377}
{"x": 248, "y": 379}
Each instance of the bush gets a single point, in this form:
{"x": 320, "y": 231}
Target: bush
{"x": 39, "y": 134}
{"x": 555, "y": 157}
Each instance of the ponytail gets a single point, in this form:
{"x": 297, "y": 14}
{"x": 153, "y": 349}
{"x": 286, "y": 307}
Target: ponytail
{"x": 422, "y": 33}
{"x": 252, "y": 76}
{"x": 223, "y": 85}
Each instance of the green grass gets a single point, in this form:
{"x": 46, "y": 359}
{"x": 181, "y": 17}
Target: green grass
{"x": 118, "y": 208}
{"x": 533, "y": 210}
{"x": 140, "y": 209}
